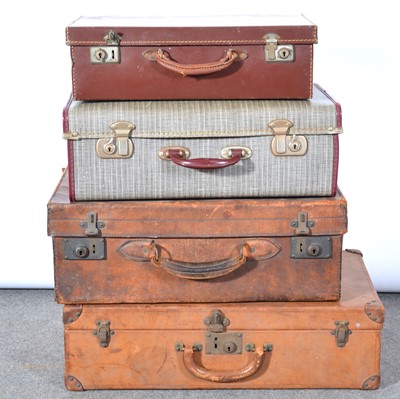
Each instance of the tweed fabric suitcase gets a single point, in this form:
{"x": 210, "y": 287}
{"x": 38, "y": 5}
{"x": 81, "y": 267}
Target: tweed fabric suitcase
{"x": 196, "y": 250}
{"x": 230, "y": 346}
{"x": 246, "y": 57}
{"x": 203, "y": 149}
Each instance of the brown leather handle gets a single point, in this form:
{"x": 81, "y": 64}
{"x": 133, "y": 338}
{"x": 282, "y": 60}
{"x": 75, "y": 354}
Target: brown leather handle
{"x": 163, "y": 59}
{"x": 224, "y": 376}
{"x": 205, "y": 163}
{"x": 199, "y": 271}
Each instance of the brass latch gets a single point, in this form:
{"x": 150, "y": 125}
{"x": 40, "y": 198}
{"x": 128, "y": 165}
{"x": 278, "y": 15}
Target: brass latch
{"x": 91, "y": 225}
{"x": 217, "y": 340}
{"x": 284, "y": 143}
{"x": 341, "y": 333}
{"x": 217, "y": 322}
{"x": 91, "y": 247}
{"x": 108, "y": 54}
{"x": 220, "y": 342}
{"x": 103, "y": 332}
{"x": 275, "y": 52}
{"x": 302, "y": 225}
{"x": 118, "y": 146}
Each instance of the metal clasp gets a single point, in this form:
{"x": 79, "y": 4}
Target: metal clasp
{"x": 92, "y": 225}
{"x": 275, "y": 52}
{"x": 341, "y": 333}
{"x": 103, "y": 332}
{"x": 284, "y": 143}
{"x": 119, "y": 146}
{"x": 217, "y": 340}
{"x": 112, "y": 38}
{"x": 302, "y": 225}
{"x": 108, "y": 54}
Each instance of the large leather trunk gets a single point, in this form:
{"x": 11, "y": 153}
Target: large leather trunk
{"x": 229, "y": 346}
{"x": 123, "y": 150}
{"x": 230, "y": 250}
{"x": 247, "y": 57}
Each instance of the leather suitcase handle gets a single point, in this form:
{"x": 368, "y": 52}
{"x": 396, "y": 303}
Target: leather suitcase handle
{"x": 199, "y": 271}
{"x": 163, "y": 59}
{"x": 205, "y": 163}
{"x": 224, "y": 376}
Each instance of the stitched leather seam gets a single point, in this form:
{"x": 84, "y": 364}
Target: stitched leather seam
{"x": 204, "y": 68}
{"x": 187, "y": 42}
{"x": 73, "y": 73}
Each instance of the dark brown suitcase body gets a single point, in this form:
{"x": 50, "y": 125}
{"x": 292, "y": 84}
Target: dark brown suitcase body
{"x": 201, "y": 58}
{"x": 233, "y": 250}
{"x": 230, "y": 346}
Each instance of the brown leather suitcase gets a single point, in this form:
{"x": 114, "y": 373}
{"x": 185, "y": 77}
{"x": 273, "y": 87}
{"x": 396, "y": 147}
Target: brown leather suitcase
{"x": 247, "y": 57}
{"x": 229, "y": 346}
{"x": 230, "y": 250}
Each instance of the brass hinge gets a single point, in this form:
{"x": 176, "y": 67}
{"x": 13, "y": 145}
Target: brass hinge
{"x": 275, "y": 52}
{"x": 341, "y": 333}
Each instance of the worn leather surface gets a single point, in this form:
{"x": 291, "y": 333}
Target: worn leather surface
{"x": 136, "y": 78}
{"x": 141, "y": 353}
{"x": 196, "y": 233}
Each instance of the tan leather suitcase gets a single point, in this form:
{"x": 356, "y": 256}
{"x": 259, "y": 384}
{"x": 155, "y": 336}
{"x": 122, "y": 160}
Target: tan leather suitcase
{"x": 246, "y": 57}
{"x": 230, "y": 346}
{"x": 231, "y": 250}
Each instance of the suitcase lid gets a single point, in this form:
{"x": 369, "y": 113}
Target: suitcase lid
{"x": 255, "y": 217}
{"x": 359, "y": 306}
{"x": 191, "y": 30}
{"x": 204, "y": 118}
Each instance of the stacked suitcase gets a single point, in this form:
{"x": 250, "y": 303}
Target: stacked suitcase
{"x": 197, "y": 231}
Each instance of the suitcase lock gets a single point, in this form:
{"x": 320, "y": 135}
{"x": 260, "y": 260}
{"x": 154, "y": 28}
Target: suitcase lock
{"x": 118, "y": 146}
{"x": 217, "y": 340}
{"x": 284, "y": 143}
{"x": 275, "y": 52}
{"x": 108, "y": 54}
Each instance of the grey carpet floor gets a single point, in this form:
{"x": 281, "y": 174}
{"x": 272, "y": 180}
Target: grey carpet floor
{"x": 31, "y": 357}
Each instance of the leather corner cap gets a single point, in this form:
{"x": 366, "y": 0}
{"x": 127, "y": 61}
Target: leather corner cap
{"x": 71, "y": 313}
{"x": 72, "y": 383}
